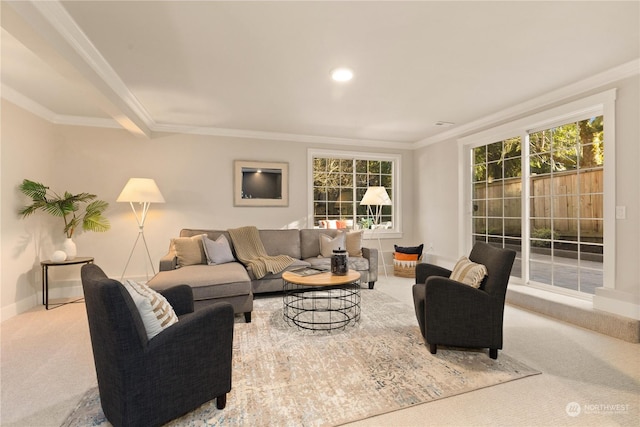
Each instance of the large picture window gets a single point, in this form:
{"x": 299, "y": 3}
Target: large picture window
{"x": 340, "y": 180}
{"x": 542, "y": 191}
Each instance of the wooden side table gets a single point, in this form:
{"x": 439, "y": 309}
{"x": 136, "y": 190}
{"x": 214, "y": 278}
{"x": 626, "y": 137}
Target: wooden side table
{"x": 45, "y": 277}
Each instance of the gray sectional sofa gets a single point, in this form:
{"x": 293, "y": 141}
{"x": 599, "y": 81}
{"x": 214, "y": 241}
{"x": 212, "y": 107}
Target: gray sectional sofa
{"x": 234, "y": 283}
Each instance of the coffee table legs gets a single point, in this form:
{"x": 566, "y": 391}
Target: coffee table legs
{"x": 321, "y": 308}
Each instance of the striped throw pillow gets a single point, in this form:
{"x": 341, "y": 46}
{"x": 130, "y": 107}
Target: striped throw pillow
{"x": 468, "y": 272}
{"x": 156, "y": 312}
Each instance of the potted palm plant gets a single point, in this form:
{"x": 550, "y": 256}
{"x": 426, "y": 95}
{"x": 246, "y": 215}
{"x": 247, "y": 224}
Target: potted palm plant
{"x": 76, "y": 210}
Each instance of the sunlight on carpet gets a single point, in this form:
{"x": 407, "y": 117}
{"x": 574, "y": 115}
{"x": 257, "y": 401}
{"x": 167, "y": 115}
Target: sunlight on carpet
{"x": 284, "y": 376}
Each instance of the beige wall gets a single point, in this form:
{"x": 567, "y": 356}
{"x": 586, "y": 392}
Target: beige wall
{"x": 194, "y": 173}
{"x": 437, "y": 176}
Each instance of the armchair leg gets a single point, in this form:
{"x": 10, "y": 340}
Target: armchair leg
{"x": 371, "y": 284}
{"x": 247, "y": 317}
{"x": 493, "y": 353}
{"x": 433, "y": 348}
{"x": 221, "y": 401}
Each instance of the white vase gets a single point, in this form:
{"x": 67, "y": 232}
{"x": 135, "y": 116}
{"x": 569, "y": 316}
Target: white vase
{"x": 69, "y": 247}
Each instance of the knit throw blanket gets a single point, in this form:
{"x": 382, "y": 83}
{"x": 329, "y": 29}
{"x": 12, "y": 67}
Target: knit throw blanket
{"x": 250, "y": 251}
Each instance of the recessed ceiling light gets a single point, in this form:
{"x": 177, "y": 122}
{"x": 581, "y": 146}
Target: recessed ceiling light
{"x": 342, "y": 74}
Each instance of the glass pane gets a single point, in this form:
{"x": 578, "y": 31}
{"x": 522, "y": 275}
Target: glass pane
{"x": 346, "y": 195}
{"x": 386, "y": 181}
{"x": 495, "y": 207}
{"x": 512, "y": 168}
{"x": 592, "y": 231}
{"x": 540, "y": 163}
{"x": 495, "y": 227}
{"x": 374, "y": 166}
{"x": 479, "y": 155}
{"x": 565, "y": 206}
{"x": 374, "y": 180}
{"x": 513, "y": 187}
{"x": 540, "y": 207}
{"x": 513, "y": 148}
{"x": 565, "y": 229}
{"x": 590, "y": 280}
{"x": 479, "y": 208}
{"x": 361, "y": 180}
{"x": 513, "y": 227}
{"x": 591, "y": 156}
{"x": 319, "y": 194}
{"x": 480, "y": 172}
{"x": 386, "y": 167}
{"x": 494, "y": 191}
{"x": 361, "y": 166}
{"x": 480, "y": 191}
{"x": 540, "y": 272}
{"x": 540, "y": 186}
{"x": 540, "y": 142}
{"x": 565, "y": 276}
{"x": 494, "y": 171}
{"x": 333, "y": 194}
{"x": 494, "y": 151}
{"x": 591, "y": 181}
{"x": 479, "y": 225}
{"x": 346, "y": 165}
{"x": 512, "y": 208}
{"x": 346, "y": 180}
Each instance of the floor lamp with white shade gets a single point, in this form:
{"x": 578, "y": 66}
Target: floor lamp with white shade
{"x": 378, "y": 197}
{"x": 143, "y": 191}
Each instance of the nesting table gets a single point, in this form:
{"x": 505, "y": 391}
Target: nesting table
{"x": 321, "y": 302}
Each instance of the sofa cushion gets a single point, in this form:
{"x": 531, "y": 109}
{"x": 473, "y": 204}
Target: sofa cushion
{"x": 281, "y": 242}
{"x": 218, "y": 251}
{"x": 310, "y": 241}
{"x": 329, "y": 244}
{"x": 155, "y": 311}
{"x": 354, "y": 243}
{"x": 189, "y": 250}
{"x": 207, "y": 281}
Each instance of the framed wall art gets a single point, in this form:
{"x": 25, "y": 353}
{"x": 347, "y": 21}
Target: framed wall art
{"x": 261, "y": 183}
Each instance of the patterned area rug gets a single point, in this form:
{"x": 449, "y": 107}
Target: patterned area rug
{"x": 287, "y": 377}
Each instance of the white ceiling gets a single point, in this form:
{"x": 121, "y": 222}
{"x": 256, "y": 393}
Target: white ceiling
{"x": 262, "y": 69}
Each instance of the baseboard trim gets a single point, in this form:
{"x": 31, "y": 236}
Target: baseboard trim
{"x": 578, "y": 312}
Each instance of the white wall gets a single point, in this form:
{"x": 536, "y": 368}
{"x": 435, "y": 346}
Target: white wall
{"x": 194, "y": 173}
{"x": 27, "y": 151}
{"x": 436, "y": 168}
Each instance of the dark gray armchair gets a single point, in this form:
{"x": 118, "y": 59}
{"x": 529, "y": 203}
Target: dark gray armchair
{"x": 146, "y": 382}
{"x": 454, "y": 314}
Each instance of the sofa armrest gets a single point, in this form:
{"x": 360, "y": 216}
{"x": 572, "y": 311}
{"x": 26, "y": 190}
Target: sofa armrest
{"x": 372, "y": 255}
{"x": 169, "y": 261}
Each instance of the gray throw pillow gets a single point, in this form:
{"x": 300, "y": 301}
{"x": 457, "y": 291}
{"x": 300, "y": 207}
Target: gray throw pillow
{"x": 218, "y": 251}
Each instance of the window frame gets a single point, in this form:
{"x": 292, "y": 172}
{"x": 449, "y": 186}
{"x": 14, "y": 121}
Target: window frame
{"x": 602, "y": 103}
{"x": 396, "y": 159}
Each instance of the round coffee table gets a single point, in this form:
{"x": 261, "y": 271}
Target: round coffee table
{"x": 321, "y": 302}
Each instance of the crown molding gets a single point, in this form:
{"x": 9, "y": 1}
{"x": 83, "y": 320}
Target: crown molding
{"x": 612, "y": 75}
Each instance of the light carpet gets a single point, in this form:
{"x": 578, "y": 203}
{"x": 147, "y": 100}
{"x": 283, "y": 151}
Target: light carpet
{"x": 288, "y": 377}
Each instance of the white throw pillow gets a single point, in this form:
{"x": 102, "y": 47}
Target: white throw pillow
{"x": 218, "y": 251}
{"x": 155, "y": 311}
{"x": 329, "y": 244}
{"x": 468, "y": 272}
